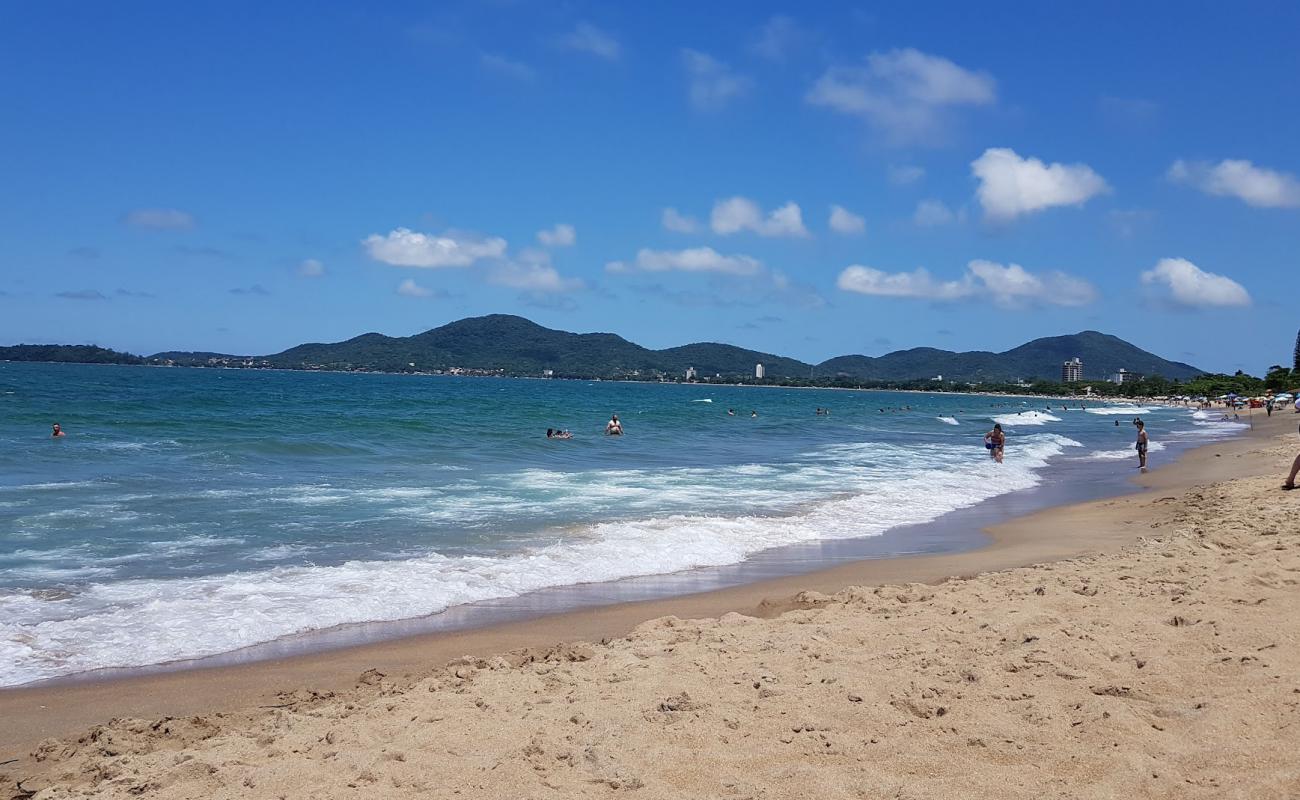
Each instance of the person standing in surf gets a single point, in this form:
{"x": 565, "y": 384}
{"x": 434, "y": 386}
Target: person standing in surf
{"x": 614, "y": 427}
{"x": 1141, "y": 444}
{"x": 995, "y": 441}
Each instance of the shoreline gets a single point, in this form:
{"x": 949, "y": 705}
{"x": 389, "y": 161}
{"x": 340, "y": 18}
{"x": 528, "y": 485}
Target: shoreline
{"x": 62, "y": 709}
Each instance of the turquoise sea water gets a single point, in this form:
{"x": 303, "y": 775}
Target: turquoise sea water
{"x": 194, "y": 512}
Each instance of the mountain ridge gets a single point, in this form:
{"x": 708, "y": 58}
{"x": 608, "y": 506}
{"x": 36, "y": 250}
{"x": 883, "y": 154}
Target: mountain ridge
{"x": 514, "y": 345}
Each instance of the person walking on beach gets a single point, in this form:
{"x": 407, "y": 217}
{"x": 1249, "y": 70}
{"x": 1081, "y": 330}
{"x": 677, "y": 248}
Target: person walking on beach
{"x": 995, "y": 441}
{"x": 1290, "y": 479}
{"x": 1141, "y": 444}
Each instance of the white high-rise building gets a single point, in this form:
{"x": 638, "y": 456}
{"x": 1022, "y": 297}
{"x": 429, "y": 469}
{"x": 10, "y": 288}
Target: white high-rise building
{"x": 690, "y": 373}
{"x": 759, "y": 372}
{"x": 1072, "y": 370}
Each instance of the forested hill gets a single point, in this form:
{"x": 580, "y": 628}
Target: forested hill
{"x": 518, "y": 346}
{"x": 510, "y": 345}
{"x": 1102, "y": 356}
{"x": 67, "y": 353}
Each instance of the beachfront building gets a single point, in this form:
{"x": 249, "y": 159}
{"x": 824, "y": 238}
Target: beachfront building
{"x": 1124, "y": 376}
{"x": 759, "y": 372}
{"x": 690, "y": 373}
{"x": 1072, "y": 370}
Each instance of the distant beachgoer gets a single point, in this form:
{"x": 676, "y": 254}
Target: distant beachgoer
{"x": 562, "y": 435}
{"x": 1116, "y": 423}
{"x": 58, "y": 432}
{"x": 731, "y": 412}
{"x": 1268, "y": 406}
{"x": 550, "y": 433}
{"x": 753, "y": 413}
{"x": 995, "y": 441}
{"x": 1141, "y": 444}
{"x": 614, "y": 427}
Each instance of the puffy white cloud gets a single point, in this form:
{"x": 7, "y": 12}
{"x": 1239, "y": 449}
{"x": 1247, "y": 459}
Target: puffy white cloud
{"x": 1009, "y": 286}
{"x": 1011, "y": 185}
{"x": 779, "y": 37}
{"x": 403, "y": 247}
{"x": 903, "y": 174}
{"x": 532, "y": 272}
{"x": 160, "y": 219}
{"x": 903, "y": 93}
{"x": 310, "y": 268}
{"x": 932, "y": 213}
{"x": 559, "y": 236}
{"x": 712, "y": 83}
{"x": 506, "y": 67}
{"x": 695, "y": 259}
{"x": 1013, "y": 286}
{"x": 677, "y": 222}
{"x": 846, "y": 222}
{"x": 1257, "y": 186}
{"x": 918, "y": 283}
{"x": 409, "y": 288}
{"x": 736, "y": 214}
{"x": 1191, "y": 286}
{"x": 587, "y": 38}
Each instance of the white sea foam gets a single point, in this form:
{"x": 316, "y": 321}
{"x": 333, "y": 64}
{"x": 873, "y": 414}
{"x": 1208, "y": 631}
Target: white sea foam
{"x": 705, "y": 400}
{"x": 948, "y": 420}
{"x": 1125, "y": 410}
{"x": 1025, "y": 418}
{"x": 1128, "y": 452}
{"x": 149, "y": 621}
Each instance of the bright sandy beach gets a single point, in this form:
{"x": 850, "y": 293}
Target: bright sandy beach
{"x": 1141, "y": 646}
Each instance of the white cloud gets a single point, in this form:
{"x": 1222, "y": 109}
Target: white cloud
{"x": 779, "y": 37}
{"x": 406, "y": 248}
{"x": 310, "y": 268}
{"x": 679, "y": 223}
{"x": 932, "y": 213}
{"x": 871, "y": 281}
{"x": 587, "y": 38}
{"x": 507, "y": 68}
{"x": 532, "y": 271}
{"x": 1009, "y": 286}
{"x": 1013, "y": 286}
{"x": 160, "y": 219}
{"x": 695, "y": 259}
{"x": 903, "y": 93}
{"x": 736, "y": 214}
{"x": 409, "y": 288}
{"x": 1191, "y": 286}
{"x": 846, "y": 222}
{"x": 903, "y": 175}
{"x": 559, "y": 236}
{"x": 713, "y": 84}
{"x": 1011, "y": 185}
{"x": 1257, "y": 186}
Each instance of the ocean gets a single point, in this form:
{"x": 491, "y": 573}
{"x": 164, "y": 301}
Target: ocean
{"x": 191, "y": 512}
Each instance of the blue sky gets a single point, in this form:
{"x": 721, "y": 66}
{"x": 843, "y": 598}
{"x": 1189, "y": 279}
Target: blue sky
{"x": 243, "y": 177}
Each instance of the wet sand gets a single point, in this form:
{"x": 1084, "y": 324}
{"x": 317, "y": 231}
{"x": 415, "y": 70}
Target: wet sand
{"x": 761, "y": 702}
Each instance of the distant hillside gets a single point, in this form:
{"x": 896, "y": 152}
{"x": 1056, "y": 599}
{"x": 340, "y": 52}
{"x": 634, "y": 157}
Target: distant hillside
{"x": 519, "y": 346}
{"x": 69, "y": 353}
{"x": 1102, "y": 356}
{"x": 510, "y": 345}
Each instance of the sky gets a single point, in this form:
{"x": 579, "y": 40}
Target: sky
{"x": 811, "y": 180}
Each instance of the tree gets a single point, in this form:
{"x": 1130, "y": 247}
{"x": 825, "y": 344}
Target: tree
{"x": 1296, "y": 366}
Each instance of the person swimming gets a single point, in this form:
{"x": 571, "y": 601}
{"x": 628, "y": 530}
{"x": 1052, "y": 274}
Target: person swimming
{"x": 614, "y": 427}
{"x": 731, "y": 412}
{"x": 753, "y": 413}
{"x": 58, "y": 432}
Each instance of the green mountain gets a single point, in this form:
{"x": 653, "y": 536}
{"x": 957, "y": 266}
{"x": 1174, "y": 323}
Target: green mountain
{"x": 1102, "y": 356}
{"x": 510, "y": 345}
{"x": 514, "y": 345}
